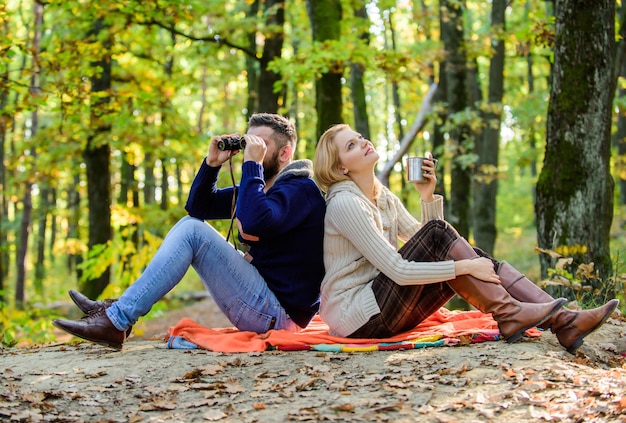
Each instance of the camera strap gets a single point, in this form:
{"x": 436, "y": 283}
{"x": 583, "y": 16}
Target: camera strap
{"x": 233, "y": 207}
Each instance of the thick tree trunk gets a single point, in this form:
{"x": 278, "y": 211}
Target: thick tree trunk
{"x": 575, "y": 188}
{"x": 486, "y": 178}
{"x": 357, "y": 87}
{"x": 269, "y": 100}
{"x": 97, "y": 155}
{"x": 441, "y": 98}
{"x": 358, "y": 93}
{"x": 325, "y": 16}
{"x": 99, "y": 197}
{"x": 252, "y": 66}
{"x": 457, "y": 94}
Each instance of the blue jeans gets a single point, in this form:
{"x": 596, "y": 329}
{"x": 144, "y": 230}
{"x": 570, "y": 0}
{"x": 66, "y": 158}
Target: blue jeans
{"x": 234, "y": 284}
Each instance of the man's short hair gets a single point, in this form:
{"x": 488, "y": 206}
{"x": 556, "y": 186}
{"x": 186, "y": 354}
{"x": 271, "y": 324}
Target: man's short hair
{"x": 284, "y": 130}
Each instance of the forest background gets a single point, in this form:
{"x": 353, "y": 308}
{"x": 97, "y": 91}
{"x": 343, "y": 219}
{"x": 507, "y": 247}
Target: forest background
{"x": 107, "y": 109}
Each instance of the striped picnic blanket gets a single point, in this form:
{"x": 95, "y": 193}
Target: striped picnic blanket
{"x": 445, "y": 327}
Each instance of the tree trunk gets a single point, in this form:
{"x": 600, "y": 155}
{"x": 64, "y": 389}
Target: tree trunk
{"x": 532, "y": 133}
{"x": 166, "y": 110}
{"x": 20, "y": 259}
{"x": 325, "y": 16}
{"x": 620, "y": 135}
{"x": 97, "y": 155}
{"x": 127, "y": 171}
{"x": 54, "y": 221}
{"x": 164, "y": 185}
{"x": 269, "y": 99}
{"x": 4, "y": 121}
{"x": 252, "y": 65}
{"x": 486, "y": 178}
{"x": 620, "y": 50}
{"x": 40, "y": 264}
{"x": 149, "y": 183}
{"x": 357, "y": 87}
{"x": 127, "y": 196}
{"x": 27, "y": 201}
{"x": 395, "y": 90}
{"x": 620, "y": 142}
{"x": 397, "y": 107}
{"x": 74, "y": 258}
{"x": 457, "y": 94}
{"x": 575, "y": 188}
{"x": 179, "y": 183}
{"x": 438, "y": 148}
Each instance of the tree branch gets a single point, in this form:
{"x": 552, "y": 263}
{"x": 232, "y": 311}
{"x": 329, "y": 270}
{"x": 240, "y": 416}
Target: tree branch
{"x": 214, "y": 38}
{"x": 405, "y": 143}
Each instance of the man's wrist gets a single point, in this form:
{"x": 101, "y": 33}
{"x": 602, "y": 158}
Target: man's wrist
{"x": 212, "y": 164}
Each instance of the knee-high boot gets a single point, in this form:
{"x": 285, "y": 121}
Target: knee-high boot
{"x": 513, "y": 317}
{"x": 570, "y": 327}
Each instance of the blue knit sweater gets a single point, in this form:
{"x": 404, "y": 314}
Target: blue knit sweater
{"x": 288, "y": 220}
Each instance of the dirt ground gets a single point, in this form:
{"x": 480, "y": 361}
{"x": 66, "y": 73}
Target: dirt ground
{"x": 531, "y": 380}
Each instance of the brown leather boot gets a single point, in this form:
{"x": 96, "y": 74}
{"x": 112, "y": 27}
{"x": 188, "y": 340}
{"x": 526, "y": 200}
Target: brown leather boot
{"x": 513, "y": 317}
{"x": 95, "y": 327}
{"x": 569, "y": 326}
{"x": 89, "y": 306}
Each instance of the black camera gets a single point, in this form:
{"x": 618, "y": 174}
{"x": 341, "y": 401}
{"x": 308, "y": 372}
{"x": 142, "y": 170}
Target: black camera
{"x": 231, "y": 143}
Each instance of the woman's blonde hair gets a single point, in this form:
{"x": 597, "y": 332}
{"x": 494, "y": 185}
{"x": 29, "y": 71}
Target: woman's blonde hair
{"x": 326, "y": 162}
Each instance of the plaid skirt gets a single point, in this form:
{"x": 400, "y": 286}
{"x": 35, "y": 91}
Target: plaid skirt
{"x": 404, "y": 307}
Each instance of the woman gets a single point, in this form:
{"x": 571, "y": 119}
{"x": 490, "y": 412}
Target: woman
{"x": 373, "y": 290}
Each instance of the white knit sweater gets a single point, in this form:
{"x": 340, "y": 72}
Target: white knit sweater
{"x": 361, "y": 241}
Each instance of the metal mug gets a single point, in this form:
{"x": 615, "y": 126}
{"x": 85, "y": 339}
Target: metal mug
{"x": 414, "y": 170}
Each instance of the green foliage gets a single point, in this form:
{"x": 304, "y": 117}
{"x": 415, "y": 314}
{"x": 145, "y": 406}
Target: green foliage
{"x": 25, "y": 327}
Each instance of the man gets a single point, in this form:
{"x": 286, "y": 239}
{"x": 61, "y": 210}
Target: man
{"x": 280, "y": 215}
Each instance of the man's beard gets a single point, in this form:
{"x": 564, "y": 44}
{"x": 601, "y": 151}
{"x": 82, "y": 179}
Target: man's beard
{"x": 271, "y": 167}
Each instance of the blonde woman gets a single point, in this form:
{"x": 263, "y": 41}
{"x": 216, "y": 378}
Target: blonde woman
{"x": 372, "y": 290}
